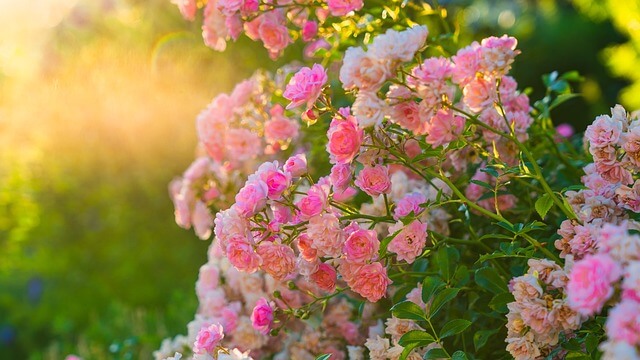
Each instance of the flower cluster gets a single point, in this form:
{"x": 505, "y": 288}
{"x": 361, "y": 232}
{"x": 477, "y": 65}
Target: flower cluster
{"x": 540, "y": 312}
{"x": 236, "y": 132}
{"x": 274, "y": 23}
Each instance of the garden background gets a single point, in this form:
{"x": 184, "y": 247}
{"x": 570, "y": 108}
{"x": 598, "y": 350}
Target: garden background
{"x": 97, "y": 105}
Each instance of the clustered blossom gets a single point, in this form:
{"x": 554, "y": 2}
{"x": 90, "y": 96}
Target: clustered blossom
{"x": 540, "y": 312}
{"x": 275, "y": 24}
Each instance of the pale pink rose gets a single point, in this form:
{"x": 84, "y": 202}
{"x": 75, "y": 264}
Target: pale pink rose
{"x": 590, "y": 283}
{"x": 368, "y": 109}
{"x": 363, "y": 71}
{"x": 374, "y": 180}
{"x": 198, "y": 168}
{"x": 349, "y": 271}
{"x": 467, "y": 64}
{"x": 345, "y": 195}
{"x": 252, "y": 198}
{"x": 343, "y": 7}
{"x": 351, "y": 333}
{"x": 615, "y": 241}
{"x": 523, "y": 347}
{"x": 623, "y": 322}
{"x": 277, "y": 181}
{"x": 408, "y": 204}
{"x": 202, "y": 220}
{"x": 407, "y": 114}
{"x": 296, "y": 165}
{"x": 614, "y": 173}
{"x": 444, "y": 128}
{"x": 314, "y": 203}
{"x": 324, "y": 277}
{"x": 631, "y": 282}
{"x": 371, "y": 281}
{"x": 309, "y": 30}
{"x": 243, "y": 144}
{"x": 603, "y": 131}
{"x": 326, "y": 234}
{"x": 208, "y": 279}
{"x": 340, "y": 176}
{"x": 415, "y": 296}
{"x": 479, "y": 94}
{"x": 187, "y": 8}
{"x": 182, "y": 197}
{"x": 214, "y": 28}
{"x": 305, "y": 86}
{"x": 208, "y": 339}
{"x": 280, "y": 129}
{"x": 618, "y": 350}
{"x": 242, "y": 256}
{"x": 312, "y": 47}
{"x": 399, "y": 45}
{"x": 361, "y": 246}
{"x": 307, "y": 267}
{"x": 229, "y": 223}
{"x": 234, "y": 26}
{"x": 345, "y": 139}
{"x": 410, "y": 241}
{"x": 278, "y": 260}
{"x": 497, "y": 54}
{"x": 274, "y": 34}
{"x": 262, "y": 316}
{"x": 229, "y": 7}
{"x": 526, "y": 287}
{"x": 229, "y": 316}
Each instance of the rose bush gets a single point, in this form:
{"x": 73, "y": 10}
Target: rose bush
{"x": 455, "y": 220}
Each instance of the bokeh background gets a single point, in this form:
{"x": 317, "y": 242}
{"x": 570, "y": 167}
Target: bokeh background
{"x": 97, "y": 106}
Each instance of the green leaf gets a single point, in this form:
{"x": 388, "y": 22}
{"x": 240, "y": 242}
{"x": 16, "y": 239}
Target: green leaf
{"x": 489, "y": 279}
{"x": 385, "y": 242}
{"x": 459, "y": 355}
{"x": 323, "y": 357}
{"x": 430, "y": 286}
{"x": 441, "y": 299}
{"x": 480, "y": 337}
{"x": 561, "y": 99}
{"x": 543, "y": 205}
{"x": 435, "y": 353}
{"x": 420, "y": 337}
{"x": 407, "y": 350}
{"x": 500, "y": 301}
{"x": 572, "y": 76}
{"x": 447, "y": 258}
{"x": 454, "y": 327}
{"x": 591, "y": 343}
{"x": 483, "y": 184}
{"x": 408, "y": 310}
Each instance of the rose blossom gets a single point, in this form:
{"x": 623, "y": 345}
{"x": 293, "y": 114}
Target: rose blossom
{"x": 252, "y": 198}
{"x": 371, "y": 281}
{"x": 273, "y": 33}
{"x": 444, "y": 128}
{"x": 361, "y": 246}
{"x": 262, "y": 316}
{"x": 276, "y": 180}
{"x": 340, "y": 176}
{"x": 296, "y": 165}
{"x": 278, "y": 260}
{"x": 305, "y": 86}
{"x": 242, "y": 256}
{"x": 325, "y": 277}
{"x": 363, "y": 71}
{"x": 208, "y": 339}
{"x": 408, "y": 204}
{"x": 623, "y": 322}
{"x": 590, "y": 283}
{"x": 343, "y": 7}
{"x": 374, "y": 180}
{"x": 313, "y": 204}
{"x": 368, "y": 109}
{"x": 344, "y": 139}
{"x": 410, "y": 241}
{"x": 603, "y": 131}
{"x": 309, "y": 30}
{"x": 326, "y": 234}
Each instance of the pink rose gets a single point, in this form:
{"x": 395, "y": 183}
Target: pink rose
{"x": 208, "y": 339}
{"x": 307, "y": 251}
{"x": 590, "y": 283}
{"x": 363, "y": 71}
{"x": 343, "y": 7}
{"x": 296, "y": 165}
{"x": 280, "y": 128}
{"x": 274, "y": 34}
{"x": 278, "y": 260}
{"x": 313, "y": 204}
{"x": 497, "y": 54}
{"x": 309, "y": 30}
{"x": 340, "y": 176}
{"x": 242, "y": 144}
{"x": 202, "y": 220}
{"x": 252, "y": 198}
{"x": 325, "y": 277}
{"x": 565, "y": 130}
{"x": 410, "y": 203}
{"x": 208, "y": 279}
{"x": 410, "y": 241}
{"x": 603, "y": 131}
{"x": 305, "y": 86}
{"x": 187, "y": 9}
{"x": 242, "y": 256}
{"x": 623, "y": 322}
{"x": 327, "y": 236}
{"x": 344, "y": 139}
{"x": 229, "y": 7}
{"x": 467, "y": 62}
{"x": 480, "y": 94}
{"x": 214, "y": 29}
{"x": 371, "y": 281}
{"x": 444, "y": 128}
{"x": 262, "y": 316}
{"x": 374, "y": 180}
{"x": 276, "y": 180}
{"x": 361, "y": 246}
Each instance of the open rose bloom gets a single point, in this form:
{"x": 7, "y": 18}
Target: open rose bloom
{"x": 388, "y": 202}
